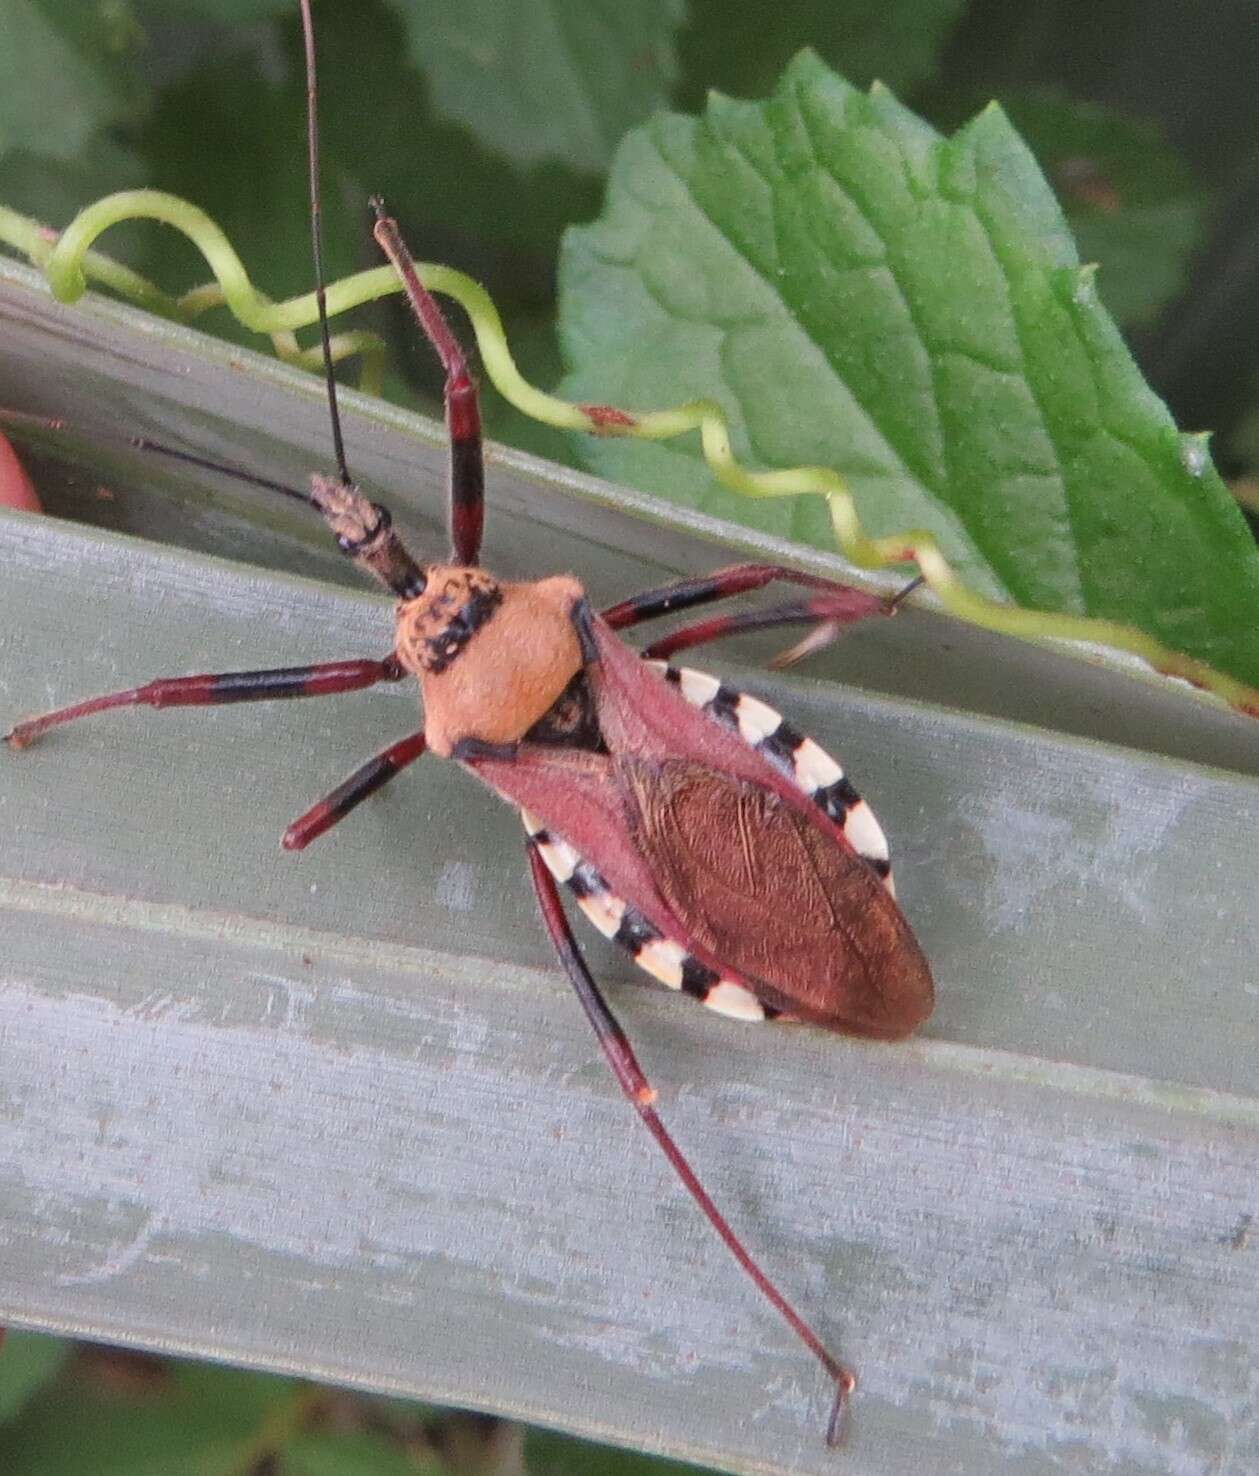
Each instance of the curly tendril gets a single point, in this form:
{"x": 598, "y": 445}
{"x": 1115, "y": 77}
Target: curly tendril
{"x": 69, "y": 263}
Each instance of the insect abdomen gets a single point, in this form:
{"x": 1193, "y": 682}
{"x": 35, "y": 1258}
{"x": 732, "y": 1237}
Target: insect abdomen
{"x": 663, "y": 958}
{"x": 801, "y": 760}
{"x": 809, "y": 767}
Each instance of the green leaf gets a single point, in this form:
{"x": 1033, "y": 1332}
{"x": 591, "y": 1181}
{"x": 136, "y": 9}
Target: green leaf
{"x": 202, "y": 129}
{"x": 79, "y": 1434}
{"x": 204, "y": 1420}
{"x": 238, "y": 1398}
{"x": 447, "y": 185}
{"x": 546, "y": 79}
{"x": 354, "y": 1453}
{"x": 63, "y": 73}
{"x": 225, "y": 12}
{"x": 727, "y": 44}
{"x": 858, "y": 292}
{"x": 550, "y": 1454}
{"x": 27, "y": 1362}
{"x": 1127, "y": 195}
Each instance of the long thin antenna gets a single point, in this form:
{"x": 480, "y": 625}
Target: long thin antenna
{"x": 155, "y": 448}
{"x": 316, "y": 240}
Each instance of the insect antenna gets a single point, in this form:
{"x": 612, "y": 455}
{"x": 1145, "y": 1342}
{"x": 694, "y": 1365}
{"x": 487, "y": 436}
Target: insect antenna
{"x": 156, "y": 448}
{"x": 316, "y": 241}
{"x": 363, "y": 529}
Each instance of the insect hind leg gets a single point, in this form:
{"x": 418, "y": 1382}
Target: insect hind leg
{"x": 633, "y": 1082}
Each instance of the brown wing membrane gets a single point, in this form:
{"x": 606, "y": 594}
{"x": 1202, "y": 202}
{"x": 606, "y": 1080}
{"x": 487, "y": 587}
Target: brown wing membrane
{"x": 806, "y": 921}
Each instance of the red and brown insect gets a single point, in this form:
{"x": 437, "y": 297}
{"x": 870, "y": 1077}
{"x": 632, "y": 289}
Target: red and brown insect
{"x": 728, "y": 853}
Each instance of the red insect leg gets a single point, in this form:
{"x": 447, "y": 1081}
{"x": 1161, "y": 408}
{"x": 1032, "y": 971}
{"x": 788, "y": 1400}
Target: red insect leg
{"x": 364, "y": 781}
{"x": 724, "y": 584}
{"x": 717, "y": 627}
{"x": 829, "y": 610}
{"x": 463, "y": 415}
{"x": 231, "y": 686}
{"x": 620, "y": 1057}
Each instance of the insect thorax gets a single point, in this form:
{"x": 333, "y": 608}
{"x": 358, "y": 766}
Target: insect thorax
{"x": 434, "y": 629}
{"x": 491, "y": 657}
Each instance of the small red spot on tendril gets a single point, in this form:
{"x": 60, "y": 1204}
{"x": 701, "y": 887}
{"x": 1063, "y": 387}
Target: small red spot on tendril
{"x": 604, "y": 417}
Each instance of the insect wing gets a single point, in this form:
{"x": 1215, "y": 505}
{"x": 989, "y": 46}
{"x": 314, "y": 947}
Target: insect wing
{"x": 700, "y": 834}
{"x": 758, "y": 886}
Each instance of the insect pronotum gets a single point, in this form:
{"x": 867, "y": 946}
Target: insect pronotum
{"x": 726, "y": 852}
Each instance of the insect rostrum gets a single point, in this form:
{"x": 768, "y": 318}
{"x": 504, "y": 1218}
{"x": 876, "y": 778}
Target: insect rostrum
{"x": 727, "y": 853}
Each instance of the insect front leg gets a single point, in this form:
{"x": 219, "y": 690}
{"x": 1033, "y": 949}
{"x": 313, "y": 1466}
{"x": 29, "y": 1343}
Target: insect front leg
{"x": 212, "y": 688}
{"x": 463, "y": 414}
{"x": 633, "y": 1082}
{"x": 351, "y": 792}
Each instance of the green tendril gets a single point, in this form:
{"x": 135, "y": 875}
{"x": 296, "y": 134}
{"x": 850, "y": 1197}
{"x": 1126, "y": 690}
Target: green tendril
{"x": 69, "y": 263}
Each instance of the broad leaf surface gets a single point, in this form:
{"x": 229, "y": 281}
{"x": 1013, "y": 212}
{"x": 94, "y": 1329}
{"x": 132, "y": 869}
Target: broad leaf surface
{"x": 546, "y": 79}
{"x": 380, "y": 125}
{"x": 62, "y": 73}
{"x": 226, "y": 12}
{"x": 551, "y": 1454}
{"x": 27, "y": 1362}
{"x": 201, "y": 1422}
{"x": 859, "y": 292}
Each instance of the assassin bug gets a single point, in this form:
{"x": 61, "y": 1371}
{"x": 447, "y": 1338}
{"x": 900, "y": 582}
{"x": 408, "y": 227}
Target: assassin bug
{"x": 727, "y": 853}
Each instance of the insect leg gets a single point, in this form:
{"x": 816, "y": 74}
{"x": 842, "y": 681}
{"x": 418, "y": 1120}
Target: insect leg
{"x": 723, "y": 584}
{"x": 227, "y": 686}
{"x": 353, "y": 791}
{"x": 702, "y": 632}
{"x": 620, "y": 1057}
{"x": 827, "y": 616}
{"x": 463, "y": 414}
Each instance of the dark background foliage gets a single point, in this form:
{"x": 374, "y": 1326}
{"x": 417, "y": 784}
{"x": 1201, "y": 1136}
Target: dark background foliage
{"x": 489, "y": 136}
